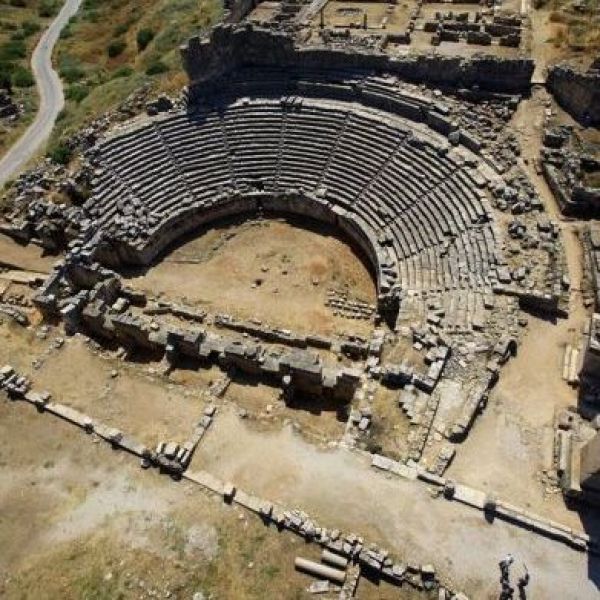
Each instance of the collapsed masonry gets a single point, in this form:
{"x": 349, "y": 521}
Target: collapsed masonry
{"x": 481, "y": 29}
{"x": 98, "y": 306}
{"x": 575, "y": 467}
{"x": 591, "y": 244}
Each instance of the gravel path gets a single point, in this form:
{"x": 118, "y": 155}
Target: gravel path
{"x": 51, "y": 97}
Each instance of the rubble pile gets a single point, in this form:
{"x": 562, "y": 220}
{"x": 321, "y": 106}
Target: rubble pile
{"x": 567, "y": 168}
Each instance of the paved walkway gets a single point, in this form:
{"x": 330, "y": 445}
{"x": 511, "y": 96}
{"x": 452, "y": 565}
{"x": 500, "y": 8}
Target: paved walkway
{"x": 51, "y": 97}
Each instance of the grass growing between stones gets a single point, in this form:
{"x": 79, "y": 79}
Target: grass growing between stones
{"x": 111, "y": 48}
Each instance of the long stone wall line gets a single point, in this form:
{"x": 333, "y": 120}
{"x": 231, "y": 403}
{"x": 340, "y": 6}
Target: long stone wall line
{"x": 491, "y": 506}
{"x": 230, "y": 47}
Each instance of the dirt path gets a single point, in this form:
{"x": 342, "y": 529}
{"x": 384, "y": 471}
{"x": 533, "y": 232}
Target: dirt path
{"x": 340, "y": 489}
{"x": 517, "y": 425}
{"x": 51, "y": 97}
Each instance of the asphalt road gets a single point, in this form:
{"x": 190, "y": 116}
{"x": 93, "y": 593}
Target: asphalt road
{"x": 50, "y": 93}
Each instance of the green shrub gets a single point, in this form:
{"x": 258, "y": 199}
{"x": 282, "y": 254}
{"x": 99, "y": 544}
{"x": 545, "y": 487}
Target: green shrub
{"x": 120, "y": 29}
{"x": 22, "y": 77}
{"x": 66, "y": 32}
{"x": 60, "y": 154}
{"x": 144, "y": 37}
{"x": 156, "y": 68}
{"x": 13, "y": 50}
{"x": 47, "y": 8}
{"x": 71, "y": 72}
{"x": 6, "y": 72}
{"x": 18, "y": 3}
{"x": 93, "y": 16}
{"x": 76, "y": 92}
{"x": 30, "y": 27}
{"x": 115, "y": 48}
{"x": 124, "y": 71}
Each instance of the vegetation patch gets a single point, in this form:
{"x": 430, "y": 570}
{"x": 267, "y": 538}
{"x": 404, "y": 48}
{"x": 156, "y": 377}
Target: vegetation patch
{"x": 114, "y": 47}
{"x": 21, "y": 24}
{"x": 60, "y": 154}
{"x": 577, "y": 24}
{"x": 144, "y": 37}
{"x": 22, "y": 77}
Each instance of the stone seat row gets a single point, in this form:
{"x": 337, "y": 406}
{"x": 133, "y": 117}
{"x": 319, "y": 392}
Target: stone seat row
{"x": 423, "y": 202}
{"x": 356, "y": 144}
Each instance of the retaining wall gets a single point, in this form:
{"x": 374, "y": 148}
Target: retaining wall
{"x": 229, "y": 47}
{"x": 577, "y": 92}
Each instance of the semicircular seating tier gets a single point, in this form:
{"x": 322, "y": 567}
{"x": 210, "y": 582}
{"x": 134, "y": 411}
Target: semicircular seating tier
{"x": 416, "y": 206}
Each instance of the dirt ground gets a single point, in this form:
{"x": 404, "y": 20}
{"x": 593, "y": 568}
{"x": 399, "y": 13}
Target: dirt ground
{"x": 268, "y": 270}
{"x": 264, "y": 409}
{"x": 340, "y": 14}
{"x": 31, "y": 257}
{"x": 264, "y": 11}
{"x": 132, "y": 398}
{"x": 98, "y": 527}
{"x": 338, "y": 486}
{"x": 388, "y": 433}
{"x": 552, "y": 39}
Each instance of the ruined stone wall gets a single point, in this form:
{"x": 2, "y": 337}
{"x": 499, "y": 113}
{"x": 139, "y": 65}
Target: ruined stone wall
{"x": 592, "y": 244}
{"x": 588, "y": 197}
{"x": 230, "y": 47}
{"x": 590, "y": 465}
{"x": 561, "y": 196}
{"x": 577, "y": 92}
{"x": 579, "y": 201}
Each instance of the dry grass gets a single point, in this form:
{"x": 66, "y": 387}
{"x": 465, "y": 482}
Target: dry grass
{"x": 579, "y": 27}
{"x": 252, "y": 562}
{"x": 95, "y": 80}
{"x": 557, "y": 17}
